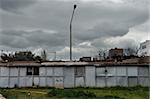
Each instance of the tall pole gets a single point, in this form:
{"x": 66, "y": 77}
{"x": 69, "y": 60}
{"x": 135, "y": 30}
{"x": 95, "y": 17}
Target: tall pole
{"x": 71, "y": 32}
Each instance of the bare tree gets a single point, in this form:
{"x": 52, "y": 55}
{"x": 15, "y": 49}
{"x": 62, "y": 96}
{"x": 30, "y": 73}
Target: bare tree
{"x": 131, "y": 51}
{"x": 102, "y": 54}
{"x": 44, "y": 55}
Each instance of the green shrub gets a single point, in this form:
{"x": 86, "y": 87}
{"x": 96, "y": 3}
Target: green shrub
{"x": 110, "y": 97}
{"x": 70, "y": 93}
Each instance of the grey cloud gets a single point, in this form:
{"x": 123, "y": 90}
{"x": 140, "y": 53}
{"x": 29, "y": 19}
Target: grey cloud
{"x": 24, "y": 39}
{"x": 106, "y": 29}
{"x": 113, "y": 20}
{"x": 119, "y": 42}
{"x": 14, "y": 5}
{"x": 93, "y": 22}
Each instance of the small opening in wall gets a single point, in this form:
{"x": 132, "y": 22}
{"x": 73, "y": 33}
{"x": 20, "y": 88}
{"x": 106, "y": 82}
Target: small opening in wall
{"x": 32, "y": 70}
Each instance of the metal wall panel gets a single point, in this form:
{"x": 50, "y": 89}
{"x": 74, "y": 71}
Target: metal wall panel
{"x": 69, "y": 77}
{"x": 79, "y": 71}
{"x": 121, "y": 71}
{"x": 111, "y": 71}
{"x": 149, "y": 70}
{"x": 111, "y": 81}
{"x": 100, "y": 82}
{"x": 13, "y": 82}
{"x": 29, "y": 80}
{"x": 100, "y": 71}
{"x": 50, "y": 81}
{"x": 58, "y": 82}
{"x": 22, "y": 81}
{"x": 79, "y": 81}
{"x": 49, "y": 71}
{"x": 142, "y": 71}
{"x": 90, "y": 76}
{"x": 144, "y": 81}
{"x": 132, "y": 71}
{"x": 36, "y": 81}
{"x": 4, "y": 71}
{"x": 122, "y": 81}
{"x": 23, "y": 71}
{"x": 4, "y": 82}
{"x": 132, "y": 81}
{"x": 58, "y": 71}
{"x": 13, "y": 71}
{"x": 42, "y": 81}
{"x": 42, "y": 71}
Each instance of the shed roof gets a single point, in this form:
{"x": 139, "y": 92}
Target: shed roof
{"x": 26, "y": 64}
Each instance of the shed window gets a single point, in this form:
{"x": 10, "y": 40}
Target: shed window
{"x": 32, "y": 70}
{"x": 36, "y": 70}
{"x": 29, "y": 70}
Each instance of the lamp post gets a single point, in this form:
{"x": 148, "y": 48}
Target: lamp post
{"x": 74, "y": 7}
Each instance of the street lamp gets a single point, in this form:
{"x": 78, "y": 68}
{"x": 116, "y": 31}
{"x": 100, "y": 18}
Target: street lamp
{"x": 74, "y": 7}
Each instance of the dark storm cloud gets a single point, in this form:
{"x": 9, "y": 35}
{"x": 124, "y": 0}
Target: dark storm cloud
{"x": 110, "y": 20}
{"x": 24, "y": 39}
{"x": 93, "y": 22}
{"x": 15, "y": 5}
{"x": 105, "y": 29}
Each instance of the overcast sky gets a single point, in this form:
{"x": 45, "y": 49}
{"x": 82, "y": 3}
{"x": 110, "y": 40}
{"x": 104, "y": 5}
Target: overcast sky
{"x": 97, "y": 24}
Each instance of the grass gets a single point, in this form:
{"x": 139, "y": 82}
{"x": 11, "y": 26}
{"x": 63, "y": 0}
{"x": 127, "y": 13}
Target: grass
{"x": 77, "y": 93}
{"x": 71, "y": 93}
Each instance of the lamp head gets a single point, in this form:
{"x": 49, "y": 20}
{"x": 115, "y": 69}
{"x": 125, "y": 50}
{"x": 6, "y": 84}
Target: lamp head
{"x": 75, "y": 6}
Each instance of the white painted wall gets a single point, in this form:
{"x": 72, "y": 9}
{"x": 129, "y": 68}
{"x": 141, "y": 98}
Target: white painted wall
{"x": 90, "y": 76}
{"x": 65, "y": 76}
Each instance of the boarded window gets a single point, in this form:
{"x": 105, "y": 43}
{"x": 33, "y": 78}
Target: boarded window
{"x": 32, "y": 70}
{"x": 79, "y": 71}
